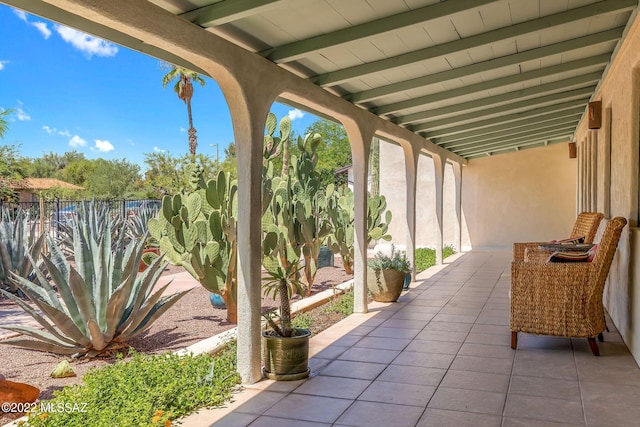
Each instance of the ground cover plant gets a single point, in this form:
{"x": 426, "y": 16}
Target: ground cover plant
{"x": 144, "y": 390}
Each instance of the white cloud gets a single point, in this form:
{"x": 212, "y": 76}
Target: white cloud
{"x": 21, "y": 114}
{"x": 104, "y": 146}
{"x": 42, "y": 28}
{"x": 159, "y": 150}
{"x": 64, "y": 133}
{"x": 76, "y": 141}
{"x": 2, "y": 64}
{"x": 85, "y": 43}
{"x": 21, "y": 14}
{"x": 49, "y": 130}
{"x": 183, "y": 129}
{"x": 295, "y": 114}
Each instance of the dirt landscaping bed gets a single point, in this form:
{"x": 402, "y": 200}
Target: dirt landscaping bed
{"x": 190, "y": 320}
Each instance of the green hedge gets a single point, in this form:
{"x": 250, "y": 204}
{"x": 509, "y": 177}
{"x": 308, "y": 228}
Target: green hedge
{"x": 426, "y": 257}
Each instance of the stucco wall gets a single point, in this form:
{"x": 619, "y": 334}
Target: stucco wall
{"x": 518, "y": 197}
{"x": 620, "y": 96}
{"x": 393, "y": 186}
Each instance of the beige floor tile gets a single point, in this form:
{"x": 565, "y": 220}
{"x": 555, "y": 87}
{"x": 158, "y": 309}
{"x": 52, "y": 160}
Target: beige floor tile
{"x": 544, "y": 408}
{"x": 545, "y": 365}
{"x": 483, "y": 402}
{"x": 405, "y": 323}
{"x": 476, "y": 381}
{"x": 412, "y": 375}
{"x": 326, "y": 352}
{"x": 367, "y": 414}
{"x": 434, "y": 347}
{"x": 343, "y": 388}
{"x": 382, "y": 343}
{"x": 359, "y": 370}
{"x": 426, "y": 360}
{"x": 603, "y": 415}
{"x": 259, "y": 402}
{"x": 309, "y": 408}
{"x": 448, "y": 327}
{"x": 482, "y": 364}
{"x": 491, "y": 329}
{"x": 404, "y": 394}
{"x": 611, "y": 394}
{"x": 430, "y": 335}
{"x": 545, "y": 387}
{"x": 609, "y": 375}
{"x": 455, "y": 318}
{"x": 232, "y": 419}
{"x": 265, "y": 421}
{"x": 414, "y": 315}
{"x": 487, "y": 350}
{"x": 524, "y": 422}
{"x": 363, "y": 354}
{"x": 386, "y": 332}
{"x": 444, "y": 418}
{"x": 492, "y": 339}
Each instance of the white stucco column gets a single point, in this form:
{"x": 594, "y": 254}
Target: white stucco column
{"x": 438, "y": 170}
{"x": 594, "y": 170}
{"x": 360, "y": 134}
{"x": 249, "y": 105}
{"x": 457, "y": 177}
{"x": 580, "y": 188}
{"x": 411, "y": 156}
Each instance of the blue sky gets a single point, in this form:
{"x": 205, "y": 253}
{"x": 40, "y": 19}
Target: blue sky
{"x": 70, "y": 91}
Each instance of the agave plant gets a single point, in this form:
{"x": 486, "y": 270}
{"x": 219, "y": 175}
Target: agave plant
{"x": 17, "y": 243}
{"x": 138, "y": 226}
{"x": 91, "y": 215}
{"x": 101, "y": 302}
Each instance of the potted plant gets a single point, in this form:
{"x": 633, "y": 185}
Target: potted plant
{"x": 386, "y": 275}
{"x": 286, "y": 349}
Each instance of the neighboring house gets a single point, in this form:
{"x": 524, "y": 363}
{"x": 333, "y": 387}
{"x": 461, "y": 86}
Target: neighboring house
{"x": 28, "y": 188}
{"x": 348, "y": 171}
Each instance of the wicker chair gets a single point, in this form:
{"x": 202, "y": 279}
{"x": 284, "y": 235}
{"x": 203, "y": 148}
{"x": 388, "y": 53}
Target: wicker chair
{"x": 563, "y": 299}
{"x": 586, "y": 226}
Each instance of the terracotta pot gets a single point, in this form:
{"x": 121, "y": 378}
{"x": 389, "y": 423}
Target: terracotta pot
{"x": 11, "y": 392}
{"x": 385, "y": 285}
{"x": 286, "y": 358}
{"x": 142, "y": 266}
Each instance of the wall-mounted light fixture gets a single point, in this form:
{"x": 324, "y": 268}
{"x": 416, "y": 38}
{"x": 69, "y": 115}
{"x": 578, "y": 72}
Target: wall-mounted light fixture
{"x": 595, "y": 114}
{"x": 573, "y": 150}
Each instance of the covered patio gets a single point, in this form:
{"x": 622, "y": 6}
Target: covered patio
{"x": 441, "y": 357}
{"x": 490, "y": 92}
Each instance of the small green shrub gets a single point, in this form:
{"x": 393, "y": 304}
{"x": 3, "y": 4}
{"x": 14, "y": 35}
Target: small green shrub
{"x": 343, "y": 304}
{"x": 302, "y": 320}
{"x": 143, "y": 391}
{"x": 396, "y": 261}
{"x": 426, "y": 257}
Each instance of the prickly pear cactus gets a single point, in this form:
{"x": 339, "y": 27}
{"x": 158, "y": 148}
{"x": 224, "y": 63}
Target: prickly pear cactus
{"x": 295, "y": 220}
{"x": 341, "y": 212}
{"x": 197, "y": 230}
{"x": 376, "y": 224}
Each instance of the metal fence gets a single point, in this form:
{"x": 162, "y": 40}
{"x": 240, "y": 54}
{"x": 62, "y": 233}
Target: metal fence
{"x": 51, "y": 214}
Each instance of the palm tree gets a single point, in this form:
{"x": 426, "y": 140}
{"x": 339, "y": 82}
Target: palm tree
{"x": 184, "y": 89}
{"x": 4, "y": 125}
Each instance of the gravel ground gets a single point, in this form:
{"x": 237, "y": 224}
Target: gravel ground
{"x": 190, "y": 320}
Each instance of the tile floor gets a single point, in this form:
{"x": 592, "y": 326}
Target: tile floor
{"x": 441, "y": 357}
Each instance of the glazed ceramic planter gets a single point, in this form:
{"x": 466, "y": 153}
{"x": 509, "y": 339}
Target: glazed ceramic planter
{"x": 143, "y": 266}
{"x": 385, "y": 285}
{"x": 286, "y": 358}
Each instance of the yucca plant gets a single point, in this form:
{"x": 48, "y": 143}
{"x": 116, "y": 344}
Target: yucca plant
{"x": 17, "y": 243}
{"x": 102, "y": 301}
{"x": 280, "y": 283}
